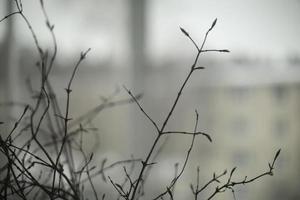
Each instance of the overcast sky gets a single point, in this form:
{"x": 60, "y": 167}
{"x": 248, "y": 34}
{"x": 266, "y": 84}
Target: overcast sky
{"x": 265, "y": 27}
{"x": 257, "y": 27}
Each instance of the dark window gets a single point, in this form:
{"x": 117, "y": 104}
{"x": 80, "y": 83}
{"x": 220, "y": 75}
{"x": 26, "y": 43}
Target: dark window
{"x": 241, "y": 193}
{"x": 239, "y": 94}
{"x": 280, "y": 93}
{"x": 280, "y": 127}
{"x": 240, "y": 126}
{"x": 241, "y": 158}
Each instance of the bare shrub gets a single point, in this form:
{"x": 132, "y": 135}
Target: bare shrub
{"x": 35, "y": 169}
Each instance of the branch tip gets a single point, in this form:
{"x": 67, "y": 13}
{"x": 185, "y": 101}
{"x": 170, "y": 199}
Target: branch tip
{"x": 225, "y": 50}
{"x": 213, "y": 24}
{"x": 184, "y": 32}
{"x": 277, "y": 154}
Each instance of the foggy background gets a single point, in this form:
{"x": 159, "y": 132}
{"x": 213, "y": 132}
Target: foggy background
{"x": 248, "y": 100}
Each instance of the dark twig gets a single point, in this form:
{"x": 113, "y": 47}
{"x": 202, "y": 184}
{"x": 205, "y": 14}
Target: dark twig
{"x": 165, "y": 122}
{"x": 230, "y": 184}
{"x": 143, "y": 111}
{"x": 187, "y": 133}
{"x": 174, "y": 181}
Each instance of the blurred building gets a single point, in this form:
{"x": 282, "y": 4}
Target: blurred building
{"x": 250, "y": 106}
{"x": 253, "y": 111}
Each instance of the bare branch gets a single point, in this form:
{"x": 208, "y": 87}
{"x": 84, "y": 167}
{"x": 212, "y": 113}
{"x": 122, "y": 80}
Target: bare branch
{"x": 143, "y": 111}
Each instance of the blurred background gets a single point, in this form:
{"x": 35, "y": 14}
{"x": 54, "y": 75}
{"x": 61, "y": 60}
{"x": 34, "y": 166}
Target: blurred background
{"x": 248, "y": 100}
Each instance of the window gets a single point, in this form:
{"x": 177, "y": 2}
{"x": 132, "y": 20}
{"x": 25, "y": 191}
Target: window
{"x": 240, "y": 125}
{"x": 241, "y": 193}
{"x": 241, "y": 158}
{"x": 280, "y": 127}
{"x": 239, "y": 94}
{"x": 280, "y": 93}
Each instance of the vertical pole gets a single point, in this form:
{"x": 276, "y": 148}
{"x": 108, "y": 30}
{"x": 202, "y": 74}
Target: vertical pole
{"x": 8, "y": 69}
{"x": 5, "y": 87}
{"x": 6, "y": 51}
{"x": 137, "y": 30}
{"x": 137, "y": 40}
